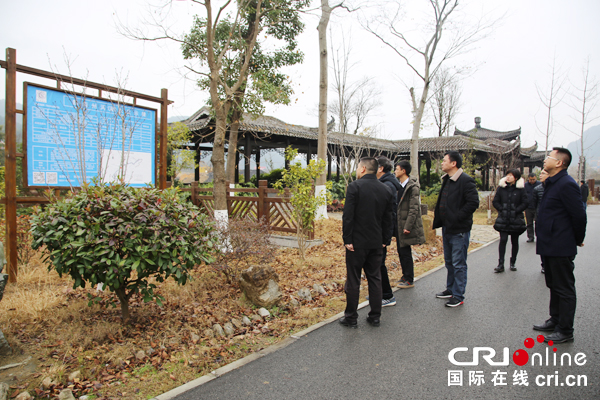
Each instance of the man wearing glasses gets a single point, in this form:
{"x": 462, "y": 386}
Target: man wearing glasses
{"x": 560, "y": 229}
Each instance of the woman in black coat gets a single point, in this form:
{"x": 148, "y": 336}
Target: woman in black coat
{"x": 510, "y": 201}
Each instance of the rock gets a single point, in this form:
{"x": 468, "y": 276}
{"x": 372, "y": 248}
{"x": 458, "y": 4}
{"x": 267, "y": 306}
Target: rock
{"x": 260, "y": 286}
{"x": 150, "y": 351}
{"x": 218, "y": 329}
{"x": 256, "y": 318}
{"x": 319, "y": 289}
{"x": 3, "y": 391}
{"x": 24, "y": 396}
{"x": 74, "y": 375}
{"x": 3, "y": 282}
{"x": 84, "y": 397}
{"x": 66, "y": 394}
{"x": 195, "y": 338}
{"x": 140, "y": 355}
{"x": 304, "y": 294}
{"x": 5, "y": 349}
{"x": 237, "y": 323}
{"x": 294, "y": 302}
{"x": 246, "y": 321}
{"x": 48, "y": 382}
{"x": 263, "y": 312}
{"x": 228, "y": 329}
{"x": 209, "y": 333}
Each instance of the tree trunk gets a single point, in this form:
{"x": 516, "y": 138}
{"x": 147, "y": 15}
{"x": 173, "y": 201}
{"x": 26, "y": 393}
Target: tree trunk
{"x": 124, "y": 300}
{"x": 233, "y": 140}
{"x": 323, "y": 86}
{"x": 218, "y": 162}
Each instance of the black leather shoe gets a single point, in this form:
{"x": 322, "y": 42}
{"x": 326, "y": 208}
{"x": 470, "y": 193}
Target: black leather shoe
{"x": 499, "y": 269}
{"x": 347, "y": 323}
{"x": 546, "y": 326}
{"x": 512, "y": 267}
{"x": 530, "y": 240}
{"x": 558, "y": 337}
{"x": 373, "y": 321}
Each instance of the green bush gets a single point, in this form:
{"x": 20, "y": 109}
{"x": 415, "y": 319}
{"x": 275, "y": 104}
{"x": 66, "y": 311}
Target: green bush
{"x": 122, "y": 237}
{"x": 338, "y": 189}
{"x": 271, "y": 178}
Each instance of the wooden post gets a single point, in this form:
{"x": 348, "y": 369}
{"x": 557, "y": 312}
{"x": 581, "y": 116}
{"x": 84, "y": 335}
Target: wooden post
{"x": 262, "y": 185}
{"x": 257, "y": 157}
{"x": 10, "y": 163}
{"x": 162, "y": 174}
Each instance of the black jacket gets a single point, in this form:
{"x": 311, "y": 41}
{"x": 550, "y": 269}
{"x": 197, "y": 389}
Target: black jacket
{"x": 585, "y": 192}
{"x": 561, "y": 220}
{"x": 529, "y": 189}
{"x": 538, "y": 192}
{"x": 511, "y": 201}
{"x": 367, "y": 218}
{"x": 392, "y": 182}
{"x": 462, "y": 202}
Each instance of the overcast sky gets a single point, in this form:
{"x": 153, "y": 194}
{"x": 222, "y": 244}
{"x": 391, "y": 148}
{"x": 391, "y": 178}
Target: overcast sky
{"x": 502, "y": 90}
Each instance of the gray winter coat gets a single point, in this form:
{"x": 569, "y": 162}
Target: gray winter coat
{"x": 409, "y": 216}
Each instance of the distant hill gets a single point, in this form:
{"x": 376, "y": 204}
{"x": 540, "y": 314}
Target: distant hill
{"x": 592, "y": 147}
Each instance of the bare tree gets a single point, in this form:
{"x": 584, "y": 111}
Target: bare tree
{"x": 551, "y": 99}
{"x": 355, "y": 101}
{"x": 584, "y": 100}
{"x": 349, "y": 149}
{"x": 446, "y": 101}
{"x": 432, "y": 52}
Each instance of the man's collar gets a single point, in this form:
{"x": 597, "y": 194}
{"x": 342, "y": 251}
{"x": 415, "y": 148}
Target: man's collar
{"x": 369, "y": 176}
{"x": 556, "y": 177}
{"x": 405, "y": 181}
{"x": 457, "y": 174}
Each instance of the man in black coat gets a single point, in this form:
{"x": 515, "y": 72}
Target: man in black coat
{"x": 585, "y": 193}
{"x": 530, "y": 212}
{"x": 457, "y": 201}
{"x": 385, "y": 176}
{"x": 367, "y": 229}
{"x": 560, "y": 228}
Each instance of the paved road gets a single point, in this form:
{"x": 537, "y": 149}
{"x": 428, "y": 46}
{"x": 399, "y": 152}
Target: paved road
{"x": 407, "y": 357}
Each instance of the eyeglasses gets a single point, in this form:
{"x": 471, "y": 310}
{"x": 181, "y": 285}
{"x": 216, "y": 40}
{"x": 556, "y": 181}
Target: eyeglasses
{"x": 554, "y": 158}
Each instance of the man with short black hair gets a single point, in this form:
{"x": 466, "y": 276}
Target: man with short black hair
{"x": 457, "y": 201}
{"x": 367, "y": 229}
{"x": 560, "y": 230}
{"x": 530, "y": 214}
{"x": 410, "y": 223}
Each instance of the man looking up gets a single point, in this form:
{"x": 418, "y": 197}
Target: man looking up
{"x": 385, "y": 176}
{"x": 530, "y": 211}
{"x": 560, "y": 228}
{"x": 410, "y": 223}
{"x": 457, "y": 201}
{"x": 367, "y": 229}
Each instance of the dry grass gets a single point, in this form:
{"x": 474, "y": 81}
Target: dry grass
{"x": 44, "y": 317}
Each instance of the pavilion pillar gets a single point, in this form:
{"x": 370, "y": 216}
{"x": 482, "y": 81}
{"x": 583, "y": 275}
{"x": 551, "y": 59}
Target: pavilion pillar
{"x": 428, "y": 165}
{"x": 329, "y": 166}
{"x": 309, "y": 153}
{"x": 337, "y": 167}
{"x": 197, "y": 162}
{"x": 247, "y": 155}
{"x": 257, "y": 157}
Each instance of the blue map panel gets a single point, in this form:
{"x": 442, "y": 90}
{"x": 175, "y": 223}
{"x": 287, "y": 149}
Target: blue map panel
{"x": 72, "y": 139}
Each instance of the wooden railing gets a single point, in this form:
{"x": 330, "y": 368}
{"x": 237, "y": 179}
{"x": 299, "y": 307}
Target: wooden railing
{"x": 258, "y": 204}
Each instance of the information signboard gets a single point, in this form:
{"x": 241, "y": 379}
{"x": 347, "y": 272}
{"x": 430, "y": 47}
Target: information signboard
{"x": 72, "y": 139}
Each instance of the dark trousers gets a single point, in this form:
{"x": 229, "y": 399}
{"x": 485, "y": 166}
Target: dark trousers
{"x": 530, "y": 215}
{"x": 563, "y": 299}
{"x": 406, "y": 262}
{"x": 368, "y": 260}
{"x": 386, "y": 288}
{"x": 514, "y": 240}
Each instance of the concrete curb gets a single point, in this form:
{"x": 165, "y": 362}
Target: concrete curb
{"x": 271, "y": 349}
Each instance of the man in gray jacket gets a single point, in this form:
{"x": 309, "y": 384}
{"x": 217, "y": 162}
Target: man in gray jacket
{"x": 410, "y": 223}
